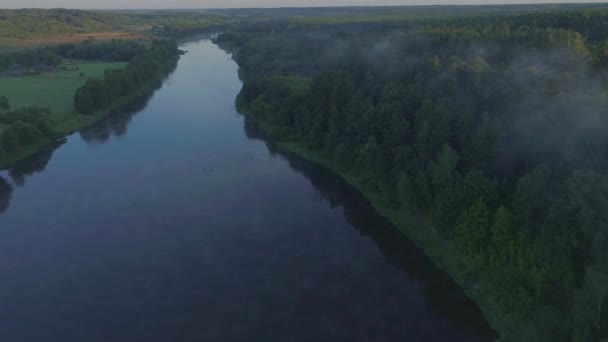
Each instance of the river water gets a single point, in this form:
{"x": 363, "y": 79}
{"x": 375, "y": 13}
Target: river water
{"x": 175, "y": 221}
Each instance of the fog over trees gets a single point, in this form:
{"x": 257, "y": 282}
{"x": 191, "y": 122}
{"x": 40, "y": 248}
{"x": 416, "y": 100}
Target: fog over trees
{"x": 491, "y": 128}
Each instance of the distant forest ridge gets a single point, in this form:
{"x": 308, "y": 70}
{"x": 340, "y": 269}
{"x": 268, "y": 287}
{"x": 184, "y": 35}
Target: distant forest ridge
{"x": 42, "y": 23}
{"x": 34, "y": 23}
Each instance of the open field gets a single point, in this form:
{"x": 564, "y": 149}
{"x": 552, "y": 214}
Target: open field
{"x": 54, "y": 89}
{"x": 14, "y": 44}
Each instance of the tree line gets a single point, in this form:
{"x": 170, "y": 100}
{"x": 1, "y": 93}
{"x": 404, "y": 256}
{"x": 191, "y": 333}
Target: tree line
{"x": 29, "y": 59}
{"x": 53, "y": 56}
{"x": 147, "y": 65}
{"x": 491, "y": 128}
{"x": 30, "y": 126}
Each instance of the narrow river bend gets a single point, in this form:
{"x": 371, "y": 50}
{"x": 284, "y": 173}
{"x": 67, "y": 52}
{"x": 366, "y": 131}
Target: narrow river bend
{"x": 176, "y": 222}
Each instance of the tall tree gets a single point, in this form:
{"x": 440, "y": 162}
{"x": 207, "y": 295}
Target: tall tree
{"x": 473, "y": 230}
{"x": 4, "y": 105}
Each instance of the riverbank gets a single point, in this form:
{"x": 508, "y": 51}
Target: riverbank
{"x": 67, "y": 124}
{"x": 444, "y": 253}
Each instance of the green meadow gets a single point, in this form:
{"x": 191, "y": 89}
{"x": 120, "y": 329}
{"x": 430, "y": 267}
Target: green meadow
{"x": 54, "y": 90}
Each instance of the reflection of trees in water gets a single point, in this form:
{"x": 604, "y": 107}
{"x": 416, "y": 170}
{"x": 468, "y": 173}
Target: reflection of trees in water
{"x": 440, "y": 291}
{"x": 23, "y": 169}
{"x": 6, "y": 191}
{"x": 114, "y": 124}
{"x": 101, "y": 131}
{"x": 117, "y": 122}
{"x": 34, "y": 164}
{"x": 253, "y": 132}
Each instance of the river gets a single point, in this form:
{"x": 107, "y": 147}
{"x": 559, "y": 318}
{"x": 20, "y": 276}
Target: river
{"x": 175, "y": 221}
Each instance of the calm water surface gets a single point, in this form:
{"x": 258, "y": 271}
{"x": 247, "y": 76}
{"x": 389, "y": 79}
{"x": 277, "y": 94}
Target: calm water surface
{"x": 176, "y": 222}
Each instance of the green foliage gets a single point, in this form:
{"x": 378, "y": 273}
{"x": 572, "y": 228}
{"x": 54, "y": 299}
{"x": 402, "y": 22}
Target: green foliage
{"x": 41, "y": 58}
{"x": 468, "y": 122}
{"x": 590, "y": 306}
{"x": 502, "y": 244}
{"x": 422, "y": 189}
{"x": 531, "y": 198}
{"x": 27, "y": 133}
{"x": 406, "y": 193}
{"x": 473, "y": 229}
{"x": 10, "y": 140}
{"x": 4, "y": 105}
{"x": 84, "y": 101}
{"x": 444, "y": 177}
{"x": 53, "y": 89}
{"x": 145, "y": 65}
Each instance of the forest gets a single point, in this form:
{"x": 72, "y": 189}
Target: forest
{"x": 488, "y": 132}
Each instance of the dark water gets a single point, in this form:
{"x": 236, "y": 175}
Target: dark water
{"x": 175, "y": 222}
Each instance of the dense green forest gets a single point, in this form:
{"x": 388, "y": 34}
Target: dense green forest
{"x": 489, "y": 130}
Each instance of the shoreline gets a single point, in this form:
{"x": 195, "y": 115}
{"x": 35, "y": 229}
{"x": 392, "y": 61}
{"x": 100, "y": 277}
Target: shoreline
{"x": 77, "y": 121}
{"x": 417, "y": 229}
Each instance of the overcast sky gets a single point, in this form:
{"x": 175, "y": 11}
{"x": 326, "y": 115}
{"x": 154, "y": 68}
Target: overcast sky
{"x": 111, "y": 4}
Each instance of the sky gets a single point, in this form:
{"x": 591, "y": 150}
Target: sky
{"x": 161, "y": 4}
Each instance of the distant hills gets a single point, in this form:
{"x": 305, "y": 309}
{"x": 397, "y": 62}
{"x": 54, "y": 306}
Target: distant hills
{"x": 37, "y": 23}
{"x": 28, "y": 24}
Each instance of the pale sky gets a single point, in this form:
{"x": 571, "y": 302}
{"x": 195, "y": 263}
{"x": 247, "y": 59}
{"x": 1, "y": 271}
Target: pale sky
{"x": 160, "y": 4}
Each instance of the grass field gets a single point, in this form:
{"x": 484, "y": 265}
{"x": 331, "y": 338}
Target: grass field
{"x": 54, "y": 90}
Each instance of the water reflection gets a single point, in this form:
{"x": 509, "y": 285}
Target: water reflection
{"x": 117, "y": 122}
{"x": 23, "y": 169}
{"x": 34, "y": 164}
{"x": 440, "y": 291}
{"x": 6, "y": 191}
{"x": 114, "y": 124}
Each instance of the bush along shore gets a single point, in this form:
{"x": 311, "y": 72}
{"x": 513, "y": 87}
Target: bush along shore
{"x": 25, "y": 131}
